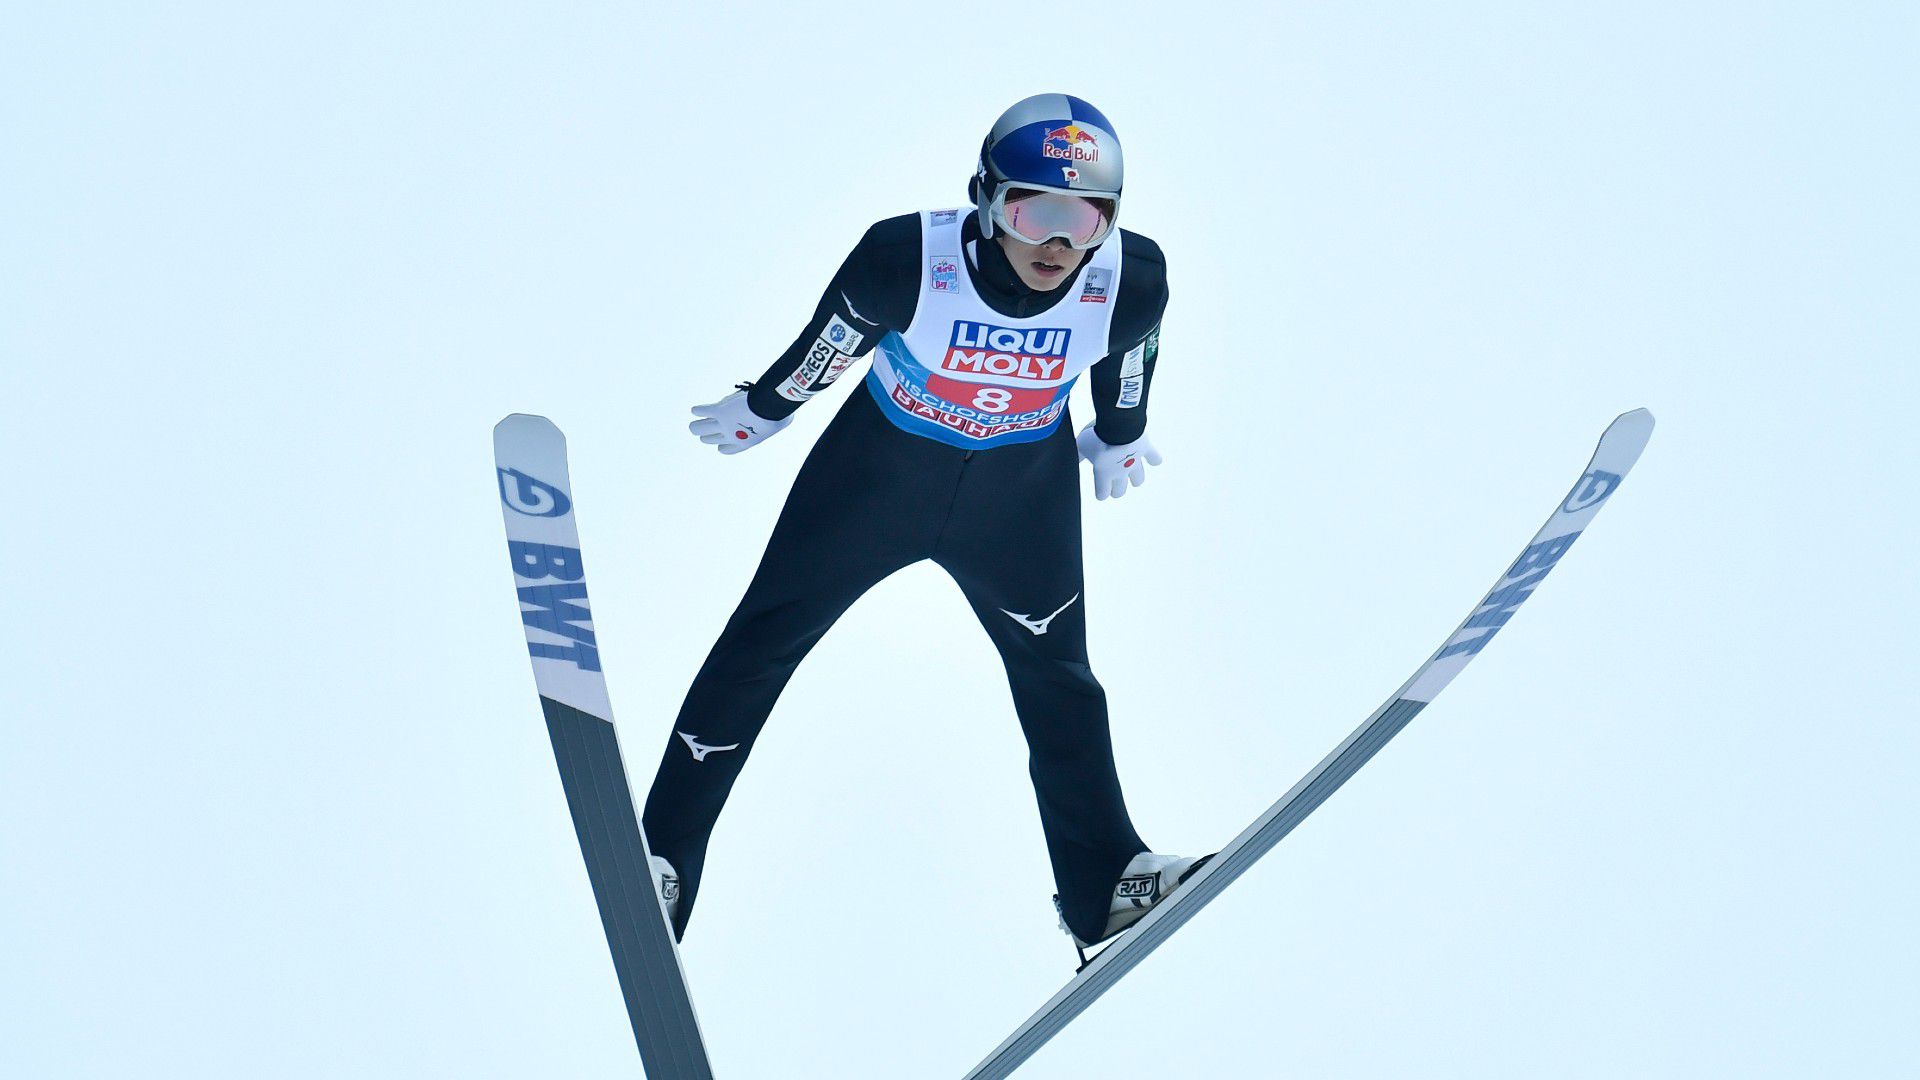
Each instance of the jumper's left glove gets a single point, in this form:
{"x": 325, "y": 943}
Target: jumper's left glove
{"x": 1115, "y": 466}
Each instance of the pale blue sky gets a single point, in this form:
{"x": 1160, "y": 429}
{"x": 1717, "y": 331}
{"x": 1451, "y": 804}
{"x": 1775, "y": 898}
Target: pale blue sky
{"x": 274, "y": 795}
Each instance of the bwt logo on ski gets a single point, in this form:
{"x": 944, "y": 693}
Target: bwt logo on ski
{"x": 1070, "y": 143}
{"x": 534, "y": 498}
{"x": 560, "y": 609}
{"x": 981, "y": 349}
{"x": 1591, "y": 490}
{"x": 1528, "y": 571}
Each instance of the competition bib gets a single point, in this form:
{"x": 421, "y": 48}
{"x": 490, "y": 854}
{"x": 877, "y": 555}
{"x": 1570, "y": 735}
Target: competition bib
{"x": 968, "y": 376}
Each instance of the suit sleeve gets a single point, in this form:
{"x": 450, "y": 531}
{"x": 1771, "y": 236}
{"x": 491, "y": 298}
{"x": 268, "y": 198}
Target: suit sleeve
{"x": 1121, "y": 380}
{"x": 874, "y": 291}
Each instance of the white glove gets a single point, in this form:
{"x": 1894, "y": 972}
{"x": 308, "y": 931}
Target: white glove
{"x": 1114, "y": 466}
{"x": 731, "y": 426}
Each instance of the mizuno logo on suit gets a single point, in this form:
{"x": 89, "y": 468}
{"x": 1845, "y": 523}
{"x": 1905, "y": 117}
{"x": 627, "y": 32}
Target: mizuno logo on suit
{"x": 700, "y": 749}
{"x": 1039, "y": 626}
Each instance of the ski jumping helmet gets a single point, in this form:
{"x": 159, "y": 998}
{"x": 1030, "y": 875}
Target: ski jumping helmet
{"x": 1063, "y": 155}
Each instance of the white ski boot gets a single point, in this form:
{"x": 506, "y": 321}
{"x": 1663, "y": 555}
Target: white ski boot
{"x": 666, "y": 881}
{"x": 1148, "y": 879}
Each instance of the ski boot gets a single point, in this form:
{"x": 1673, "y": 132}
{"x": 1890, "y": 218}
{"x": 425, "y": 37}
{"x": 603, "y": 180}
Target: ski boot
{"x": 667, "y": 882}
{"x": 1148, "y": 879}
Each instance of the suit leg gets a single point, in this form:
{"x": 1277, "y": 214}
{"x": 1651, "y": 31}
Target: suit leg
{"x": 859, "y": 510}
{"x": 1014, "y": 548}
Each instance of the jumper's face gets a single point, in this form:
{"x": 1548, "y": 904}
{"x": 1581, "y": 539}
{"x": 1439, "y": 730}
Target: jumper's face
{"x": 1042, "y": 267}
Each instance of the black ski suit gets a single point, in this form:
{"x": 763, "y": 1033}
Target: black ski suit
{"x": 1003, "y": 521}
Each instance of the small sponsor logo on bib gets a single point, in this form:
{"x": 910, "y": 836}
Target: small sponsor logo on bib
{"x": 1094, "y": 290}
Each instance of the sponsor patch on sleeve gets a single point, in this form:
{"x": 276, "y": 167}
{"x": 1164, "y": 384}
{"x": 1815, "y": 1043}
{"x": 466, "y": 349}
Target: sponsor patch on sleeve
{"x": 841, "y": 335}
{"x": 799, "y": 386}
{"x": 1133, "y": 379}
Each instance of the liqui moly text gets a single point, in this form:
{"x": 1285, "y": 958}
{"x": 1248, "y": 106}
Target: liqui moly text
{"x": 1032, "y": 355}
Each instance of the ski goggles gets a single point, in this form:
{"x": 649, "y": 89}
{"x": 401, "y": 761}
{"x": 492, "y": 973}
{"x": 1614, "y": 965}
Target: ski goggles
{"x": 1036, "y": 216}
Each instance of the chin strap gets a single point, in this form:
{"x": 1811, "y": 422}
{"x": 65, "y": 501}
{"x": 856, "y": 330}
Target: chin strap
{"x": 980, "y": 192}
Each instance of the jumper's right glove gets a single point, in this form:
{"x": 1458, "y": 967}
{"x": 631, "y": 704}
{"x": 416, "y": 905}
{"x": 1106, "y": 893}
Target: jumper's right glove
{"x": 731, "y": 426}
{"x": 1114, "y": 466}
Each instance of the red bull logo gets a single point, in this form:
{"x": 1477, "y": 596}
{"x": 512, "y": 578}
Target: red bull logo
{"x": 1070, "y": 143}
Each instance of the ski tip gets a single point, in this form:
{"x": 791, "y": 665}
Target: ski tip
{"x": 1636, "y": 425}
{"x": 1622, "y": 442}
{"x": 525, "y": 422}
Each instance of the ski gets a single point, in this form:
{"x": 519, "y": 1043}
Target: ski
{"x": 536, "y": 498}
{"x": 1619, "y": 448}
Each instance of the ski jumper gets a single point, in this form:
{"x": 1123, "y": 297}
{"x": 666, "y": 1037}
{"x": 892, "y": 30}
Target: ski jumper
{"x": 957, "y": 448}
